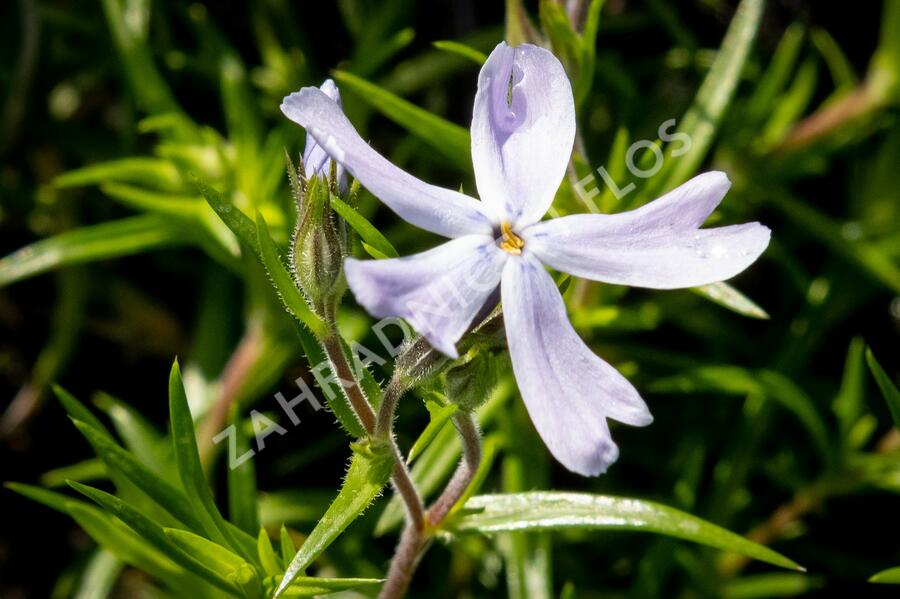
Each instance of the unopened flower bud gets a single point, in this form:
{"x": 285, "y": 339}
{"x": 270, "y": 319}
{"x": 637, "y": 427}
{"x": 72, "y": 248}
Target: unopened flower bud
{"x": 469, "y": 384}
{"x": 319, "y": 247}
{"x": 316, "y": 161}
{"x": 418, "y": 363}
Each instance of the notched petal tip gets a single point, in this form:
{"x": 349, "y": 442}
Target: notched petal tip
{"x": 605, "y": 456}
{"x": 569, "y": 391}
{"x": 293, "y": 105}
{"x": 523, "y": 130}
{"x": 330, "y": 89}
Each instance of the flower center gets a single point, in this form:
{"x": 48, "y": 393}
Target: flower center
{"x": 511, "y": 242}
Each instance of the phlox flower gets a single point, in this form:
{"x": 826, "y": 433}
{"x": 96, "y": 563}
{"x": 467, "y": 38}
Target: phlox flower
{"x": 523, "y": 130}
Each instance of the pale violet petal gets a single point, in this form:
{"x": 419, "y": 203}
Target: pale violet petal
{"x": 439, "y": 292}
{"x": 523, "y": 129}
{"x": 442, "y": 211}
{"x": 316, "y": 160}
{"x": 568, "y": 390}
{"x": 658, "y": 245}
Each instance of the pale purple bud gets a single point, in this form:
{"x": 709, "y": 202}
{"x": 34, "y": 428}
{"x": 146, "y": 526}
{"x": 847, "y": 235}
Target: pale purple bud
{"x": 316, "y": 161}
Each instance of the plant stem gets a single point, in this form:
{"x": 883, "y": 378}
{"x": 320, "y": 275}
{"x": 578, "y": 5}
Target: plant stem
{"x": 414, "y": 541}
{"x": 465, "y": 472}
{"x": 384, "y": 421}
{"x": 331, "y": 343}
{"x": 347, "y": 380}
{"x": 406, "y": 557}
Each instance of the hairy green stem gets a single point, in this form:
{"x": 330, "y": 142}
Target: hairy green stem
{"x": 400, "y": 478}
{"x": 465, "y": 472}
{"x": 347, "y": 380}
{"x": 384, "y": 421}
{"x": 413, "y": 541}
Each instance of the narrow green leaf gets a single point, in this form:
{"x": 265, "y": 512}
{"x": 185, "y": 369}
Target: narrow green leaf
{"x": 463, "y": 50}
{"x": 193, "y": 479}
{"x": 243, "y": 508}
{"x": 886, "y": 385}
{"x": 78, "y": 410}
{"x": 153, "y": 173}
{"x": 218, "y": 559}
{"x": 287, "y": 547}
{"x": 119, "y": 461}
{"x": 585, "y": 79}
{"x": 373, "y": 252}
{"x": 769, "y": 384}
{"x": 369, "y": 57}
{"x": 270, "y": 563}
{"x": 540, "y": 510}
{"x": 848, "y": 405}
{"x": 369, "y": 471}
{"x": 51, "y": 499}
{"x": 839, "y": 64}
{"x": 125, "y": 544}
{"x": 769, "y": 586}
{"x": 145, "y": 200}
{"x": 728, "y": 297}
{"x": 239, "y": 223}
{"x": 884, "y": 68}
{"x": 790, "y": 106}
{"x": 128, "y": 27}
{"x": 305, "y": 586}
{"x": 153, "y": 533}
{"x": 240, "y": 109}
{"x": 113, "y": 239}
{"x": 140, "y": 436}
{"x": 99, "y": 576}
{"x": 366, "y": 230}
{"x": 440, "y": 415}
{"x": 213, "y": 555}
{"x": 112, "y": 535}
{"x": 281, "y": 279}
{"x": 127, "y": 513}
{"x": 889, "y": 576}
{"x": 866, "y": 256}
{"x": 701, "y": 121}
{"x": 777, "y": 74}
{"x": 84, "y": 471}
{"x": 449, "y": 139}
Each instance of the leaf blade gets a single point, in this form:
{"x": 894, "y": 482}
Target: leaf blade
{"x": 539, "y": 510}
{"x": 886, "y": 385}
{"x": 369, "y": 471}
{"x": 92, "y": 243}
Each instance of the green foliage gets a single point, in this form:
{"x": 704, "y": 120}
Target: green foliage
{"x": 889, "y": 576}
{"x": 113, "y": 239}
{"x": 449, "y": 139}
{"x": 368, "y": 473}
{"x": 514, "y": 512}
{"x": 888, "y": 388}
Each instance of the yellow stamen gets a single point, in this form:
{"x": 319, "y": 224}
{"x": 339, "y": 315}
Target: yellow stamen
{"x": 511, "y": 243}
